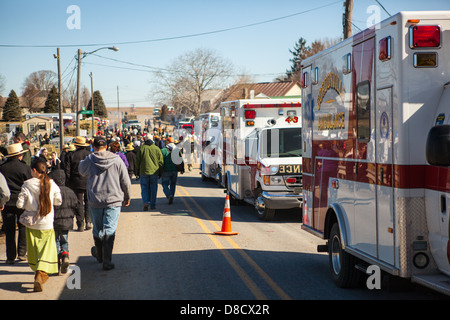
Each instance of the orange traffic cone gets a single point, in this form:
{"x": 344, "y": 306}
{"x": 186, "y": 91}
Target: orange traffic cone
{"x": 226, "y": 222}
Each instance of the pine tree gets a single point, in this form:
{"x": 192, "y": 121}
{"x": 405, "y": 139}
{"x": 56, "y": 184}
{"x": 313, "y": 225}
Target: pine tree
{"x": 51, "y": 104}
{"x": 99, "y": 105}
{"x": 299, "y": 53}
{"x": 12, "y": 110}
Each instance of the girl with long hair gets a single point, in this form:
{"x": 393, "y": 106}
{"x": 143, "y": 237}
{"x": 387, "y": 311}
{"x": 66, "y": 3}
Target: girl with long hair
{"x": 37, "y": 197}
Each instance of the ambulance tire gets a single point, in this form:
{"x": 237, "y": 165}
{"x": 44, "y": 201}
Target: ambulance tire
{"x": 264, "y": 214}
{"x": 342, "y": 264}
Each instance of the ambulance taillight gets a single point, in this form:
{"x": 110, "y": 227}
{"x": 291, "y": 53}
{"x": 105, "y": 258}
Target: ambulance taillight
{"x": 249, "y": 116}
{"x": 424, "y": 37}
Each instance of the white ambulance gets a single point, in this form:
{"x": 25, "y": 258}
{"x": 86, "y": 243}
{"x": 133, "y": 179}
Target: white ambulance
{"x": 373, "y": 185}
{"x": 210, "y": 130}
{"x": 261, "y": 153}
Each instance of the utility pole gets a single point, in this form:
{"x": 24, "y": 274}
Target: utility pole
{"x": 92, "y": 103}
{"x": 78, "y": 94}
{"x": 60, "y": 108}
{"x": 118, "y": 111}
{"x": 347, "y": 18}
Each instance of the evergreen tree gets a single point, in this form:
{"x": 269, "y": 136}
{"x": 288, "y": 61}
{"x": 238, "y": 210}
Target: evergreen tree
{"x": 99, "y": 105}
{"x": 12, "y": 110}
{"x": 51, "y": 104}
{"x": 300, "y": 52}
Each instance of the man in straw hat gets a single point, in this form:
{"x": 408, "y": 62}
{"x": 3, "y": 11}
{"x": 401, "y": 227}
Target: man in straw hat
{"x": 16, "y": 172}
{"x": 78, "y": 182}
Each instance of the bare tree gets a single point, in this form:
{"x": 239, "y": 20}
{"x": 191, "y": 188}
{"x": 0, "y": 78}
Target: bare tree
{"x": 185, "y": 81}
{"x": 38, "y": 85}
{"x": 2, "y": 84}
{"x": 70, "y": 96}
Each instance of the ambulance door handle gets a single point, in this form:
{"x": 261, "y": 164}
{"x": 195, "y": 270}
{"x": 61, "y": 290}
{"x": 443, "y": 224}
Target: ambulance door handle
{"x": 443, "y": 204}
{"x": 381, "y": 175}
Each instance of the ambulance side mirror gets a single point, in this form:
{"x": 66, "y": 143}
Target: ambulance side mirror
{"x": 438, "y": 146}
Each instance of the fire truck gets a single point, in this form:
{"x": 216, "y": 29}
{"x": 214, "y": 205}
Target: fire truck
{"x": 261, "y": 153}
{"x": 376, "y": 150}
{"x": 210, "y": 139}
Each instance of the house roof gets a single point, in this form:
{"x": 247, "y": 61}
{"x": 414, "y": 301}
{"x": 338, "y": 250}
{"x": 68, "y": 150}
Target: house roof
{"x": 269, "y": 89}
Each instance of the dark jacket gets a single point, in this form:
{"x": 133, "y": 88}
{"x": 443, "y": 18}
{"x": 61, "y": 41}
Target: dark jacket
{"x": 131, "y": 158}
{"x": 15, "y": 172}
{"x": 73, "y": 177}
{"x": 66, "y": 211}
{"x": 26, "y": 155}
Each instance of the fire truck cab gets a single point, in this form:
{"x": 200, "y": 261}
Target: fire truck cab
{"x": 376, "y": 150}
{"x": 261, "y": 153}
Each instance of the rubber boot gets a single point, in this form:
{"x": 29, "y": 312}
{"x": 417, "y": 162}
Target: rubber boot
{"x": 108, "y": 244}
{"x": 97, "y": 250}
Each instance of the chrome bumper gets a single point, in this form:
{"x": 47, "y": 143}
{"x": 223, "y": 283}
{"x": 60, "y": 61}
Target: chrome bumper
{"x": 282, "y": 200}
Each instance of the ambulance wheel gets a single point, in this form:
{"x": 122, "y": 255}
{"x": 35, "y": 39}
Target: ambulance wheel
{"x": 342, "y": 264}
{"x": 263, "y": 212}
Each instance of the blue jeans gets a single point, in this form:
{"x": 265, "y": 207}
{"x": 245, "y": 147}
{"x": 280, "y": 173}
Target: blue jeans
{"x": 104, "y": 221}
{"x": 62, "y": 241}
{"x": 169, "y": 182}
{"x": 149, "y": 189}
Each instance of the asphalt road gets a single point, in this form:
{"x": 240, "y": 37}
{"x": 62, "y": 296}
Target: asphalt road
{"x": 171, "y": 253}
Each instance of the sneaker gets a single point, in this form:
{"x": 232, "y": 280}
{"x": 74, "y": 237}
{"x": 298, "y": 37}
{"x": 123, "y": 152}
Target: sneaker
{"x": 170, "y": 199}
{"x": 146, "y": 207}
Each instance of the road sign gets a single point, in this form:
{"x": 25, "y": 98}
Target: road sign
{"x": 86, "y": 112}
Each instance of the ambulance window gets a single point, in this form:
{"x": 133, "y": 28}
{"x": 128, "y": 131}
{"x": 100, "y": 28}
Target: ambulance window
{"x": 251, "y": 143}
{"x": 363, "y": 110}
{"x": 281, "y": 143}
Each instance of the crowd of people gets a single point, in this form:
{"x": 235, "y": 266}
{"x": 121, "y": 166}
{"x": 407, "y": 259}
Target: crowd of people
{"x": 42, "y": 195}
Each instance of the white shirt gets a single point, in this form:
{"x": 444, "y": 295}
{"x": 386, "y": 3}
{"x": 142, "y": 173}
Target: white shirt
{"x": 29, "y": 201}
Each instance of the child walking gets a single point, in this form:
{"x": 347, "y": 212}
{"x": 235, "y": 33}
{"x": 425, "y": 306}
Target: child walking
{"x": 37, "y": 197}
{"x": 63, "y": 221}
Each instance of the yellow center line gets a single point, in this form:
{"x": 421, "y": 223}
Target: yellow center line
{"x": 259, "y": 295}
{"x": 280, "y": 292}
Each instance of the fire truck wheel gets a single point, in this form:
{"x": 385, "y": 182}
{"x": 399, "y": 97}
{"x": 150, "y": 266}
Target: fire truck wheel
{"x": 342, "y": 264}
{"x": 263, "y": 212}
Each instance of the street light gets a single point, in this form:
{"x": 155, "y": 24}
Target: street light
{"x": 78, "y": 83}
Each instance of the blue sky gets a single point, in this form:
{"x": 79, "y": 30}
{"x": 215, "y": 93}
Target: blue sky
{"x": 261, "y": 50}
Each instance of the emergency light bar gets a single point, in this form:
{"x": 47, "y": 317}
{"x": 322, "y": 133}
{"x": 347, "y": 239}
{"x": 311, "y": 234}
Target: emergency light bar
{"x": 285, "y": 105}
{"x": 424, "y": 37}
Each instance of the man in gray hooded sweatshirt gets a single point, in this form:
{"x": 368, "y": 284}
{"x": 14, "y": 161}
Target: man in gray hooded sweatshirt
{"x": 108, "y": 188}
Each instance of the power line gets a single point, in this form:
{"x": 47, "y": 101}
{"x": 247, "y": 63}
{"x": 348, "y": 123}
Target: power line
{"x": 383, "y": 7}
{"x": 170, "y": 38}
{"x": 161, "y": 70}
